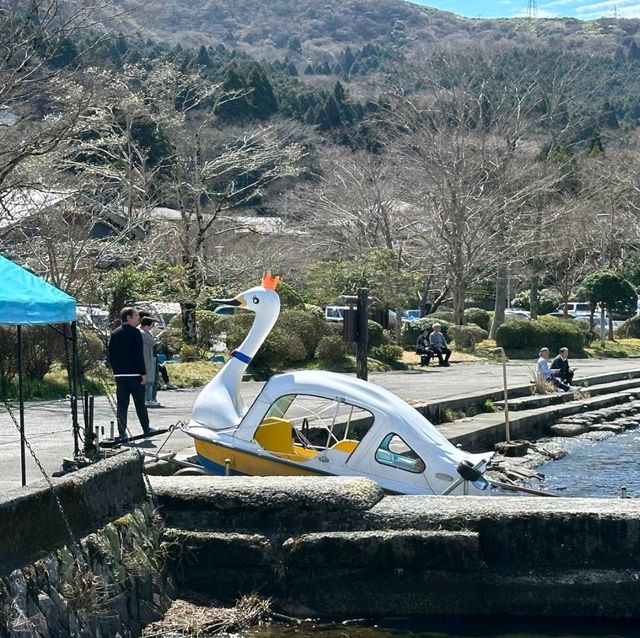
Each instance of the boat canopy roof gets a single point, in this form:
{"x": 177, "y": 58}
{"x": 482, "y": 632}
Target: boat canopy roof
{"x": 331, "y": 385}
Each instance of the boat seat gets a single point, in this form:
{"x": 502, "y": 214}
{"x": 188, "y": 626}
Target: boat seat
{"x": 274, "y": 434}
{"x": 346, "y": 445}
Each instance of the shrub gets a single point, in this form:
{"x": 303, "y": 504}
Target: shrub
{"x": 41, "y": 347}
{"x": 376, "y": 334}
{"x": 411, "y": 330}
{"x": 289, "y": 297}
{"x": 550, "y": 332}
{"x": 307, "y": 325}
{"x": 630, "y": 328}
{"x": 207, "y": 327}
{"x": 387, "y": 353}
{"x": 443, "y": 313}
{"x": 8, "y": 358}
{"x": 190, "y": 352}
{"x": 545, "y": 304}
{"x": 170, "y": 341}
{"x": 91, "y": 352}
{"x": 331, "y": 350}
{"x": 478, "y": 316}
{"x": 466, "y": 337}
{"x": 279, "y": 350}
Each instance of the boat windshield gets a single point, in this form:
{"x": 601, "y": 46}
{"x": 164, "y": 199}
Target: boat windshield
{"x": 320, "y": 423}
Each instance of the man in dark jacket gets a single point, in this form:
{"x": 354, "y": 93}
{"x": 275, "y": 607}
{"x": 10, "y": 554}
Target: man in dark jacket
{"x": 561, "y": 363}
{"x": 126, "y": 359}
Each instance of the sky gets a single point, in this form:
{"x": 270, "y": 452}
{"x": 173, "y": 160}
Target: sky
{"x": 583, "y": 9}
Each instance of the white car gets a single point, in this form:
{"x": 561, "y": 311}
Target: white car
{"x": 517, "y": 313}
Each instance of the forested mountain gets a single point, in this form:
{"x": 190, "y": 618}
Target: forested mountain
{"x": 350, "y": 40}
{"x": 457, "y": 147}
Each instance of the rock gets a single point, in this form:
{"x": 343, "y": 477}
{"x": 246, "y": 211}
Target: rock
{"x": 569, "y": 429}
{"x": 606, "y": 427}
{"x": 513, "y": 448}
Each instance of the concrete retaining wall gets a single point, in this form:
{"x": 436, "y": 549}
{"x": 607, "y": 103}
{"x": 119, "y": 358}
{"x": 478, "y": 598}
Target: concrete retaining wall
{"x": 339, "y": 547}
{"x": 31, "y": 523}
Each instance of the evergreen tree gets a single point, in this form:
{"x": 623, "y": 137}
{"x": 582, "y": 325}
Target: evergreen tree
{"x": 329, "y": 115}
{"x": 261, "y": 96}
{"x": 308, "y": 70}
{"x": 348, "y": 59}
{"x": 608, "y": 117}
{"x": 311, "y": 117}
{"x": 634, "y": 51}
{"x": 237, "y": 108}
{"x": 203, "y": 59}
{"x": 595, "y": 145}
{"x": 339, "y": 93}
{"x": 291, "y": 69}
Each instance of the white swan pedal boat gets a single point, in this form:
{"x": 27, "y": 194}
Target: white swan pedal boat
{"x": 321, "y": 423}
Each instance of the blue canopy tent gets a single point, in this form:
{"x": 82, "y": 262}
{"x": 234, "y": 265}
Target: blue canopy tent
{"x": 27, "y": 300}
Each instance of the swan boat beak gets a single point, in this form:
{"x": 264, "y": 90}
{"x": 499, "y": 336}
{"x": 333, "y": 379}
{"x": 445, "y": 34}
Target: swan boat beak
{"x": 235, "y": 302}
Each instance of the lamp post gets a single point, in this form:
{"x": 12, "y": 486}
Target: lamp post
{"x": 219, "y": 250}
{"x": 603, "y": 220}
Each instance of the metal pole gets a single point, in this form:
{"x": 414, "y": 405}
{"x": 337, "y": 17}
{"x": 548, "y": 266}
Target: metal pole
{"x": 507, "y": 426}
{"x": 74, "y": 388}
{"x": 23, "y": 458}
{"x": 601, "y": 302}
{"x": 362, "y": 343}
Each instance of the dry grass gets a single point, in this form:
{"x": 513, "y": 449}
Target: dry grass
{"x": 541, "y": 386}
{"x": 194, "y": 621}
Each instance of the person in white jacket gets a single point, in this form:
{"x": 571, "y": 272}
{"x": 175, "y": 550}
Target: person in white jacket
{"x": 149, "y": 347}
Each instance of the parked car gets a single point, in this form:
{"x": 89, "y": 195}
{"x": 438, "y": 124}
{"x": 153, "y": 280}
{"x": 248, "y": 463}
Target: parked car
{"x": 517, "y": 313}
{"x": 161, "y": 311}
{"x": 334, "y": 314}
{"x": 95, "y": 318}
{"x": 411, "y": 315}
{"x": 577, "y": 308}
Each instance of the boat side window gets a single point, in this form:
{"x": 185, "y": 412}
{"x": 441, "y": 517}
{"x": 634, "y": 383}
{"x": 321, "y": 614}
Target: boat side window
{"x": 394, "y": 452}
{"x": 322, "y": 422}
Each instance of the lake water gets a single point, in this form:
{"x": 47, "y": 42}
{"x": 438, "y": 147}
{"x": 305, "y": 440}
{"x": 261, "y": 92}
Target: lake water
{"x": 589, "y": 469}
{"x": 477, "y": 628}
{"x": 596, "y": 468}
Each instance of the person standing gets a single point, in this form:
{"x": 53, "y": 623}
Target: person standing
{"x": 439, "y": 345}
{"x": 561, "y": 363}
{"x": 126, "y": 358}
{"x": 149, "y": 347}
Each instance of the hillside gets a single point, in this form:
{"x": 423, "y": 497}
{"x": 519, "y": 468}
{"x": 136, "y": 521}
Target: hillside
{"x": 316, "y": 30}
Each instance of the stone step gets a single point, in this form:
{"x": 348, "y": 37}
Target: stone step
{"x": 481, "y": 432}
{"x": 435, "y": 410}
{"x": 593, "y": 389}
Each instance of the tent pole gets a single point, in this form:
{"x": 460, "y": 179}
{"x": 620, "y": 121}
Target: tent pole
{"x": 23, "y": 463}
{"x": 74, "y": 389}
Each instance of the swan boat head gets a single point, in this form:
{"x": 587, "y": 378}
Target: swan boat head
{"x": 219, "y": 405}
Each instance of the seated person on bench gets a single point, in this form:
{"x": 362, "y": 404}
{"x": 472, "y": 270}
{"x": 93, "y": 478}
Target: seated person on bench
{"x": 423, "y": 348}
{"x": 438, "y": 344}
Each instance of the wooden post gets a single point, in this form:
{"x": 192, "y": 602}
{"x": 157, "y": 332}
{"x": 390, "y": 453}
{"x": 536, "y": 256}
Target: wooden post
{"x": 362, "y": 343}
{"x": 507, "y": 428}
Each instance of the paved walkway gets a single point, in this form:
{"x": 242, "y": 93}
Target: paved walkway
{"x": 48, "y": 425}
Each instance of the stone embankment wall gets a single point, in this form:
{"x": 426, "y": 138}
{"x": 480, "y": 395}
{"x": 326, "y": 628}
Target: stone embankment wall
{"x": 114, "y": 583}
{"x": 338, "y": 547}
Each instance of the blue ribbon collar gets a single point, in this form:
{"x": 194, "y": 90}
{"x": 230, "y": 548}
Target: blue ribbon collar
{"x": 242, "y": 357}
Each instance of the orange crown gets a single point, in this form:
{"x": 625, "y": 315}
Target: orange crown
{"x": 269, "y": 281}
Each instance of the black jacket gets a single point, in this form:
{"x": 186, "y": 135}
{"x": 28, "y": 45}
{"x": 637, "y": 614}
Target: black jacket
{"x": 560, "y": 364}
{"x": 125, "y": 351}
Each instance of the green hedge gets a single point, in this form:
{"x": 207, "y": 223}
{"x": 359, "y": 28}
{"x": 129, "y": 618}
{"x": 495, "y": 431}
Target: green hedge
{"x": 478, "y": 316}
{"x": 630, "y": 328}
{"x": 466, "y": 337}
{"x": 530, "y": 336}
{"x": 411, "y": 330}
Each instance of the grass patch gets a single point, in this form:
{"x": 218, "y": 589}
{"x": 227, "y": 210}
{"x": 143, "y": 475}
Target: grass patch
{"x": 192, "y": 374}
{"x": 614, "y": 349}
